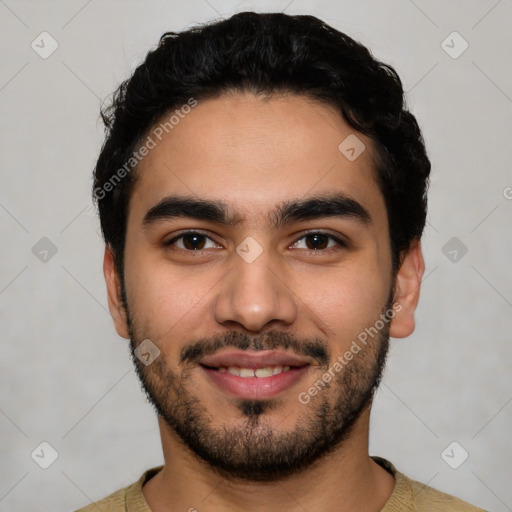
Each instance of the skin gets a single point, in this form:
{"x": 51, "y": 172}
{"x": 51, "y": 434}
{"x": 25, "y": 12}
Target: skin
{"x": 255, "y": 153}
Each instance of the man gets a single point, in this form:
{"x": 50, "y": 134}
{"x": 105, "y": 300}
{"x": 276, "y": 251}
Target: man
{"x": 262, "y": 195}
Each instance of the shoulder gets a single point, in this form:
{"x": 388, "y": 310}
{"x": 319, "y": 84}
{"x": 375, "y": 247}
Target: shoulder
{"x": 410, "y": 495}
{"x": 115, "y": 502}
{"x": 428, "y": 498}
{"x": 127, "y": 498}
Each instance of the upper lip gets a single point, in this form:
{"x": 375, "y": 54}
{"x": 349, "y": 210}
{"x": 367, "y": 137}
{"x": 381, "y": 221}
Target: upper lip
{"x": 253, "y": 360}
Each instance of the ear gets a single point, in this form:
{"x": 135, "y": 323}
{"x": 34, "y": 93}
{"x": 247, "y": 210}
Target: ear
{"x": 115, "y": 303}
{"x": 407, "y": 291}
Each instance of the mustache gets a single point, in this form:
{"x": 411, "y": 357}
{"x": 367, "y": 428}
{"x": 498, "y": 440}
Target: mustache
{"x": 316, "y": 348}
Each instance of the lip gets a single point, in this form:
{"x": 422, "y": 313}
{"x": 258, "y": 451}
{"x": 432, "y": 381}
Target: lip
{"x": 253, "y": 360}
{"x": 255, "y": 387}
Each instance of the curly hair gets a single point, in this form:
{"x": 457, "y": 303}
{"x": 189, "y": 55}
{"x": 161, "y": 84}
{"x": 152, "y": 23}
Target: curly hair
{"x": 267, "y": 53}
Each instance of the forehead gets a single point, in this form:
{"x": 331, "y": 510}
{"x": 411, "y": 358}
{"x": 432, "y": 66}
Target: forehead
{"x": 252, "y": 153}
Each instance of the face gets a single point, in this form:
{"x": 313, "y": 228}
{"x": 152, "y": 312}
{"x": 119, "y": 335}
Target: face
{"x": 256, "y": 255}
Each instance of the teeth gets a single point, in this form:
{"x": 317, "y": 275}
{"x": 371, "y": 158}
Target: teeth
{"x": 263, "y": 372}
{"x": 249, "y": 372}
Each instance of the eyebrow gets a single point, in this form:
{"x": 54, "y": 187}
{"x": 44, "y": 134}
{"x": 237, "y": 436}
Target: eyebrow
{"x": 287, "y": 212}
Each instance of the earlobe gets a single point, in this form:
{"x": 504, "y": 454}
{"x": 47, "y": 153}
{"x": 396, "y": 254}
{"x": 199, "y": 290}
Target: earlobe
{"x": 115, "y": 303}
{"x": 407, "y": 291}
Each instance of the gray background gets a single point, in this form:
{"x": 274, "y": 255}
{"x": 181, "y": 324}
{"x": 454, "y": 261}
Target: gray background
{"x": 66, "y": 377}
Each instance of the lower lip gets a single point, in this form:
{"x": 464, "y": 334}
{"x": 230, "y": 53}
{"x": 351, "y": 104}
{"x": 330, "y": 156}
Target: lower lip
{"x": 255, "y": 387}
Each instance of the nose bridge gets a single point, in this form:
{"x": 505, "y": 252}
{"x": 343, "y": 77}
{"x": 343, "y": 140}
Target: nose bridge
{"x": 254, "y": 293}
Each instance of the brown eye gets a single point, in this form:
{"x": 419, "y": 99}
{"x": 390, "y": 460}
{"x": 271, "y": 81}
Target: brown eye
{"x": 191, "y": 241}
{"x": 318, "y": 242}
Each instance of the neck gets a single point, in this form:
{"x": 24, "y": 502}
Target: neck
{"x": 345, "y": 480}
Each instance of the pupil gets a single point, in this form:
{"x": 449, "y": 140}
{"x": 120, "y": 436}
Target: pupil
{"x": 317, "y": 241}
{"x": 193, "y": 241}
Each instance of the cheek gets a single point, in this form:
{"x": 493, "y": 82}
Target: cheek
{"x": 347, "y": 301}
{"x": 164, "y": 301}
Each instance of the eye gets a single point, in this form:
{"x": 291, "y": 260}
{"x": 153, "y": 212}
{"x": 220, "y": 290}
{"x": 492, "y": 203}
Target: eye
{"x": 192, "y": 241}
{"x": 318, "y": 241}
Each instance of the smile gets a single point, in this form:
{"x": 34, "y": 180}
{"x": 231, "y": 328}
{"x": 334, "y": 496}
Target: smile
{"x": 254, "y": 374}
{"x": 268, "y": 371}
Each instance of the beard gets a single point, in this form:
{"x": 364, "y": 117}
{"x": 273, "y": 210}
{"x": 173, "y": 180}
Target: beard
{"x": 251, "y": 448}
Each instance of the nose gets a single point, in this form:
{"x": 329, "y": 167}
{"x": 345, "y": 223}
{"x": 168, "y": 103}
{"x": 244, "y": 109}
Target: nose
{"x": 255, "y": 294}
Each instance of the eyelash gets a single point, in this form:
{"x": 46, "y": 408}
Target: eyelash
{"x": 309, "y": 233}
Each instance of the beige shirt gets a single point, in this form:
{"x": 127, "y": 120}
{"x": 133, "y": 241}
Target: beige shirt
{"x": 408, "y": 496}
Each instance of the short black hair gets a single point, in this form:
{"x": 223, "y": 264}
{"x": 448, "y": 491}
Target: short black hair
{"x": 266, "y": 53}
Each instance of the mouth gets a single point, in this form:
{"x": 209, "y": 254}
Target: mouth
{"x": 253, "y": 375}
{"x": 260, "y": 373}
